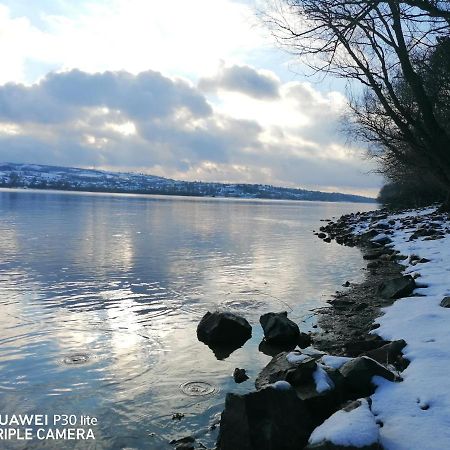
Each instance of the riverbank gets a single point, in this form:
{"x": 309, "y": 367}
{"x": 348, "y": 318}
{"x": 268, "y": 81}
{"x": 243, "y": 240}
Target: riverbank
{"x": 382, "y": 343}
{"x": 416, "y": 243}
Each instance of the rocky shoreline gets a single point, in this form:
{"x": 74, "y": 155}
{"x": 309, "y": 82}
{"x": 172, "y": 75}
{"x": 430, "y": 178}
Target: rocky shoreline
{"x": 303, "y": 396}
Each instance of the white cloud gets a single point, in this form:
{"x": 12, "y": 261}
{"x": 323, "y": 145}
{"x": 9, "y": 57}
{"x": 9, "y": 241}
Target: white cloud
{"x": 155, "y": 124}
{"x": 177, "y": 37}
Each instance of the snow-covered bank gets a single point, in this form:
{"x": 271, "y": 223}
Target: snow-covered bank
{"x": 416, "y": 412}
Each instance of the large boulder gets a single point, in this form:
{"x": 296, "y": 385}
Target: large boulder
{"x": 278, "y": 329}
{"x": 397, "y": 287}
{"x": 223, "y": 329}
{"x": 264, "y": 420}
{"x": 445, "y": 302}
{"x": 358, "y": 374}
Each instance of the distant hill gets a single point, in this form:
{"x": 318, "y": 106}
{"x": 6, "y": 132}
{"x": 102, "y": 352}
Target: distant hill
{"x": 73, "y": 179}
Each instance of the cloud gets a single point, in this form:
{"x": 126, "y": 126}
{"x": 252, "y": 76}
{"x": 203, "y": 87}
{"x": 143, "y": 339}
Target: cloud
{"x": 243, "y": 79}
{"x": 152, "y": 123}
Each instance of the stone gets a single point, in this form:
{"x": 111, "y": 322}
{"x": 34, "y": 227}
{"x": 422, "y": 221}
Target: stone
{"x": 223, "y": 328}
{"x": 281, "y": 369}
{"x": 304, "y": 340}
{"x": 356, "y": 347}
{"x": 373, "y": 254}
{"x": 223, "y": 332}
{"x": 397, "y": 287}
{"x": 445, "y": 302}
{"x": 264, "y": 420}
{"x": 358, "y": 374}
{"x": 239, "y": 375}
{"x": 278, "y": 329}
{"x": 390, "y": 353}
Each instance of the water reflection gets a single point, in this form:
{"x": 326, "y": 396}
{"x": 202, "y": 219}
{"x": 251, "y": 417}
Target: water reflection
{"x": 118, "y": 284}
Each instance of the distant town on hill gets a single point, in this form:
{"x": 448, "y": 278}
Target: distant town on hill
{"x": 34, "y": 176}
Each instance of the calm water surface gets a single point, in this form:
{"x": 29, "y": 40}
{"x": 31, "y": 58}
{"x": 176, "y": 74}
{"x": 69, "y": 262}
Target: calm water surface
{"x": 101, "y": 294}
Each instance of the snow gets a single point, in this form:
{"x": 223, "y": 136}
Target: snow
{"x": 322, "y": 380}
{"x": 355, "y": 428}
{"x": 281, "y": 385}
{"x": 415, "y": 412}
{"x": 336, "y": 362}
{"x": 296, "y": 357}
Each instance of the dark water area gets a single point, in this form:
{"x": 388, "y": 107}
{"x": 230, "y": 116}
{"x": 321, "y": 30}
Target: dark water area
{"x": 100, "y": 297}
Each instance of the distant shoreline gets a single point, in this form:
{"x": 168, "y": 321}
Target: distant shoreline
{"x": 42, "y": 177}
{"x": 181, "y": 195}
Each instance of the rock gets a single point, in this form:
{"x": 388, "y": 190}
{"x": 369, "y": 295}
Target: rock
{"x": 321, "y": 235}
{"x": 382, "y": 240}
{"x": 278, "y": 329}
{"x": 177, "y": 416}
{"x": 341, "y": 303}
{"x": 304, "y": 340}
{"x": 223, "y": 328}
{"x": 373, "y": 254}
{"x": 358, "y": 346}
{"x": 360, "y": 306}
{"x": 373, "y": 264}
{"x": 282, "y": 369}
{"x": 346, "y": 284}
{"x": 390, "y": 353}
{"x": 264, "y": 420}
{"x": 358, "y": 374}
{"x": 239, "y": 375}
{"x": 445, "y": 302}
{"x": 397, "y": 287}
{"x": 184, "y": 440}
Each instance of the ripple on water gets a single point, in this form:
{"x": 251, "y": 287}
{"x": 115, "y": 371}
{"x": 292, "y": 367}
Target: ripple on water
{"x": 198, "y": 388}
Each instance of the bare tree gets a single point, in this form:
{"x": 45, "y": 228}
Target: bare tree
{"x": 379, "y": 44}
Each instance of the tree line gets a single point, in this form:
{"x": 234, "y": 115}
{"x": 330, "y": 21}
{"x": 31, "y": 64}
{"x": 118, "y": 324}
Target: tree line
{"x": 398, "y": 52}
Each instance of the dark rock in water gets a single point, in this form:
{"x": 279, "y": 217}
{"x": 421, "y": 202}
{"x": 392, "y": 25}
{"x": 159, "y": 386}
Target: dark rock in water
{"x": 278, "y": 329}
{"x": 346, "y": 284}
{"x": 445, "y": 302}
{"x": 397, "y": 287}
{"x": 264, "y": 420}
{"x": 239, "y": 375}
{"x": 358, "y": 375}
{"x": 223, "y": 328}
{"x": 390, "y": 353}
{"x": 273, "y": 350}
{"x": 321, "y": 235}
{"x": 296, "y": 371}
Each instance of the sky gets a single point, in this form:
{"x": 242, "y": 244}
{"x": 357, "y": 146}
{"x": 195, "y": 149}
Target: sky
{"x": 188, "y": 90}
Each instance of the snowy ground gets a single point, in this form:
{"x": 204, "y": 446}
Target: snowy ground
{"x": 416, "y": 412}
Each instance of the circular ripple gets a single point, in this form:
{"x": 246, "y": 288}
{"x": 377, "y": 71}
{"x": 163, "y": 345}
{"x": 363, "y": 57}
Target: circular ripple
{"x": 198, "y": 388}
{"x": 76, "y": 358}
